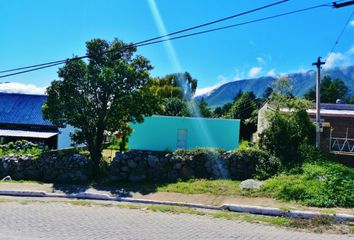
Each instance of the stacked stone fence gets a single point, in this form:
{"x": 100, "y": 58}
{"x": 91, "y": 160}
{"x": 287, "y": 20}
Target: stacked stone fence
{"x": 49, "y": 167}
{"x": 158, "y": 166}
{"x": 134, "y": 166}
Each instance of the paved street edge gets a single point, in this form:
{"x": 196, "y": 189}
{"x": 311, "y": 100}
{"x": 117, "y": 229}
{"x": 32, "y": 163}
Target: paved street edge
{"x": 276, "y": 212}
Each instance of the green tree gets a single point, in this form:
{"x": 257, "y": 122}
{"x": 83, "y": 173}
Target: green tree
{"x": 267, "y": 92}
{"x": 350, "y": 100}
{"x": 105, "y": 93}
{"x": 180, "y": 85}
{"x": 203, "y": 108}
{"x": 238, "y": 95}
{"x": 245, "y": 109}
{"x": 222, "y": 111}
{"x": 289, "y": 127}
{"x": 331, "y": 90}
{"x": 174, "y": 107}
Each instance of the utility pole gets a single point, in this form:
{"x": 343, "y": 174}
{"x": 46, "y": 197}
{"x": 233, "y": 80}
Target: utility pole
{"x": 345, "y": 4}
{"x": 318, "y": 101}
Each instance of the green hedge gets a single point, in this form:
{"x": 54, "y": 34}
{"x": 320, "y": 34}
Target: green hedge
{"x": 21, "y": 147}
{"x": 254, "y": 163}
{"x": 322, "y": 184}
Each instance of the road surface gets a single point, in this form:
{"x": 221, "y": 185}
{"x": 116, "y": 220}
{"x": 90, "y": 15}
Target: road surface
{"x": 55, "y": 220}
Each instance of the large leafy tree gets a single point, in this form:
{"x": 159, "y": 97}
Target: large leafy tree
{"x": 245, "y": 109}
{"x": 331, "y": 90}
{"x": 175, "y": 92}
{"x": 289, "y": 125}
{"x": 174, "y": 107}
{"x": 203, "y": 109}
{"x": 105, "y": 93}
{"x": 180, "y": 85}
{"x": 222, "y": 111}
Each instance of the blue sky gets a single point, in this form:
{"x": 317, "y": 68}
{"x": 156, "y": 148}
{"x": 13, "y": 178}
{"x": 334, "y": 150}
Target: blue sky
{"x": 35, "y": 31}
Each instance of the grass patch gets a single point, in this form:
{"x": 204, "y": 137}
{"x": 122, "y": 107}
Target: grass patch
{"x": 324, "y": 184}
{"x": 81, "y": 203}
{"x": 175, "y": 210}
{"x": 284, "y": 208}
{"x": 273, "y": 220}
{"x": 329, "y": 211}
{"x": 281, "y": 221}
{"x": 4, "y": 200}
{"x": 200, "y": 186}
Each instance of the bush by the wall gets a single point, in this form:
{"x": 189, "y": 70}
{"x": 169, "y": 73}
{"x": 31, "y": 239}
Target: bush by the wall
{"x": 254, "y": 163}
{"x": 322, "y": 184}
{"x": 21, "y": 147}
{"x": 309, "y": 153}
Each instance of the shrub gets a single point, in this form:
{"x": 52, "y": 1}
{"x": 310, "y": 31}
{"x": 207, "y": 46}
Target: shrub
{"x": 198, "y": 162}
{"x": 254, "y": 163}
{"x": 309, "y": 153}
{"x": 21, "y": 147}
{"x": 322, "y": 184}
{"x": 287, "y": 132}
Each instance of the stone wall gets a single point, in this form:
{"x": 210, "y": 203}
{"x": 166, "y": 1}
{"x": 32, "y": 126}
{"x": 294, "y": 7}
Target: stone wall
{"x": 50, "y": 167}
{"x": 138, "y": 165}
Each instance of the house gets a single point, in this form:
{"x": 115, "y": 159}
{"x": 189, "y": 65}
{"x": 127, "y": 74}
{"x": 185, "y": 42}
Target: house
{"x": 170, "y": 133}
{"x": 337, "y": 132}
{"x": 21, "y": 118}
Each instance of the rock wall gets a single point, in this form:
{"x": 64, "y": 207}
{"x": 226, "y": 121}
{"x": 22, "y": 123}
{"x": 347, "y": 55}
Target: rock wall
{"x": 136, "y": 165}
{"x": 50, "y": 167}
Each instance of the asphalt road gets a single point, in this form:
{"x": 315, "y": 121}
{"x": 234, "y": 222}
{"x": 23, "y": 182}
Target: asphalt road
{"x": 65, "y": 221}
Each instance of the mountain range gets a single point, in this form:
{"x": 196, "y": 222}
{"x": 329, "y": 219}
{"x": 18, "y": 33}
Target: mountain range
{"x": 302, "y": 82}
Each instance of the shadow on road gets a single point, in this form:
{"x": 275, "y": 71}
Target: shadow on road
{"x": 115, "y": 189}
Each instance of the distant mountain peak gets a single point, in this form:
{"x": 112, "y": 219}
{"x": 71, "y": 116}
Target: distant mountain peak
{"x": 303, "y": 81}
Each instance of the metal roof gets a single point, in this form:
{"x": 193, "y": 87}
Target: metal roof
{"x": 26, "y": 134}
{"x": 332, "y": 113}
{"x": 24, "y": 109}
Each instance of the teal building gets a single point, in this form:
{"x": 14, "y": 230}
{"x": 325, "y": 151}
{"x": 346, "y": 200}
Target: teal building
{"x": 161, "y": 133}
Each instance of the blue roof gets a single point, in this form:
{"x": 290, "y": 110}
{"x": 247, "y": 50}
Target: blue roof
{"x": 16, "y": 108}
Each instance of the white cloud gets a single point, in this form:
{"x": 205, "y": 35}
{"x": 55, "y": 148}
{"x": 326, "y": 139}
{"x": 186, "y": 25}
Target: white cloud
{"x": 272, "y": 73}
{"x": 202, "y": 91}
{"x": 336, "y": 59}
{"x": 239, "y": 75}
{"x": 352, "y": 23}
{"x": 339, "y": 59}
{"x": 253, "y": 72}
{"x": 351, "y": 51}
{"x": 14, "y": 87}
{"x": 221, "y": 80}
{"x": 261, "y": 61}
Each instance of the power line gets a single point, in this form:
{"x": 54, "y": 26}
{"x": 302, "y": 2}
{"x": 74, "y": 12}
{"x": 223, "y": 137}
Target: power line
{"x": 238, "y": 24}
{"x": 143, "y": 43}
{"x": 166, "y": 35}
{"x": 341, "y": 33}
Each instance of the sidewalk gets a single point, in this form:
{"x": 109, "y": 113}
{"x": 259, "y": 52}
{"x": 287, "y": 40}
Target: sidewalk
{"x": 199, "y": 199}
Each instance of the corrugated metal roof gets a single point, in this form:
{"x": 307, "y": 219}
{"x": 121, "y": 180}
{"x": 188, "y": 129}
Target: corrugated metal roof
{"x": 27, "y": 134}
{"x": 16, "y": 108}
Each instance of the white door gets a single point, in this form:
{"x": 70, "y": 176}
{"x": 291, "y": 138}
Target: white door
{"x": 182, "y": 135}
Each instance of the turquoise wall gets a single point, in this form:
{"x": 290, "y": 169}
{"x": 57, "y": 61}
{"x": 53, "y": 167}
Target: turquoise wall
{"x": 161, "y": 133}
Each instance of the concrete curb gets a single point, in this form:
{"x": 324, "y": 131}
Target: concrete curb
{"x": 23, "y": 193}
{"x": 267, "y": 211}
{"x": 285, "y": 213}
